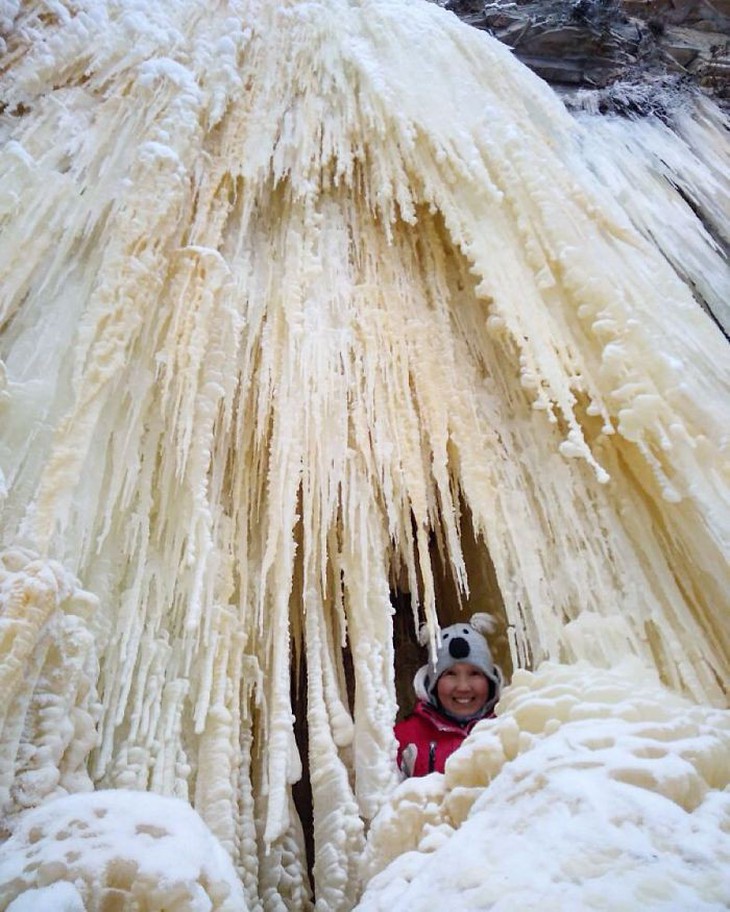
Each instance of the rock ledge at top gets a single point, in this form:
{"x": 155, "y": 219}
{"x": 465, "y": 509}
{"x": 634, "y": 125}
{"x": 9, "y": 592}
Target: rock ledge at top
{"x": 598, "y": 44}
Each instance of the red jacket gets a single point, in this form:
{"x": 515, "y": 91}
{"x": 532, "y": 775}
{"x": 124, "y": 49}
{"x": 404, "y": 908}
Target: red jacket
{"x": 434, "y": 736}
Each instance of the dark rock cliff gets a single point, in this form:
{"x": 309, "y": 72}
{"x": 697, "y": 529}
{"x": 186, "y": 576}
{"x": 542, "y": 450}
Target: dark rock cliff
{"x": 617, "y": 47}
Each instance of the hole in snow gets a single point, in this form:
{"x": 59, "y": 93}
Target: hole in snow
{"x": 35, "y": 835}
{"x": 150, "y": 829}
{"x": 121, "y": 873}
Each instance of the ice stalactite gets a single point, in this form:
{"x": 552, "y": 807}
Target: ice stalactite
{"x": 48, "y": 679}
{"x": 288, "y": 291}
{"x": 664, "y": 170}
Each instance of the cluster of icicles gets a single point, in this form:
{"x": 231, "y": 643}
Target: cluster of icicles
{"x": 287, "y": 290}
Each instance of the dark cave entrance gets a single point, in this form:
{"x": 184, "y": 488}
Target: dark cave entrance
{"x": 452, "y": 606}
{"x": 484, "y": 595}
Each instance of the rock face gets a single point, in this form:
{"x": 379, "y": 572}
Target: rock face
{"x": 594, "y": 44}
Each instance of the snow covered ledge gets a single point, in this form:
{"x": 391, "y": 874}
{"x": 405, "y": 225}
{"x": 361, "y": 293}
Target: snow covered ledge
{"x": 590, "y": 790}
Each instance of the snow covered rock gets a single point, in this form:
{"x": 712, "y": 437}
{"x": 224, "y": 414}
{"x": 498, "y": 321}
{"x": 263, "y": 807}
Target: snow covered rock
{"x": 117, "y": 850}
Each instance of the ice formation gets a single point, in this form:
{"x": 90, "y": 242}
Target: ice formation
{"x": 591, "y": 790}
{"x": 291, "y": 292}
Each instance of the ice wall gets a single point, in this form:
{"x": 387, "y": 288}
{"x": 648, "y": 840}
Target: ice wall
{"x": 286, "y": 288}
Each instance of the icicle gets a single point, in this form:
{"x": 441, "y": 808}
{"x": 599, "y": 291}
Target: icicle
{"x": 48, "y": 682}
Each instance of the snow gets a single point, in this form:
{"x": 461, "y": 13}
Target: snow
{"x": 589, "y": 791}
{"x": 58, "y": 897}
{"x": 281, "y": 316}
{"x": 87, "y": 851}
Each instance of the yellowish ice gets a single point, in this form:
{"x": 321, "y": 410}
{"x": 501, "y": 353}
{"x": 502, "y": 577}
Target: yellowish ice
{"x": 287, "y": 291}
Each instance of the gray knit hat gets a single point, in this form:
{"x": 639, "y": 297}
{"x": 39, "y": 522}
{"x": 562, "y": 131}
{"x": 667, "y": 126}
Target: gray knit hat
{"x": 461, "y": 642}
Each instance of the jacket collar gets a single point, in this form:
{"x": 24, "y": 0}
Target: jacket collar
{"x": 442, "y": 722}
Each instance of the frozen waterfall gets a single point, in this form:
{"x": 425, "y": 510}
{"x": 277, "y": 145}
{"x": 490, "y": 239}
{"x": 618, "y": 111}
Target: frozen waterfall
{"x": 304, "y": 303}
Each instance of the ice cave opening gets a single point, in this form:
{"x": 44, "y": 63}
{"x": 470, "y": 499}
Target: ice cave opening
{"x": 321, "y": 319}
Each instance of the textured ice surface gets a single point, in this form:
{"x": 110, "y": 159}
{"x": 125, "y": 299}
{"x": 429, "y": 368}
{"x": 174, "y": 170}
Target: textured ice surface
{"x": 591, "y": 790}
{"x": 116, "y": 849}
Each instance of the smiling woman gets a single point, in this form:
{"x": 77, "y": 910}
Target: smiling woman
{"x": 460, "y": 686}
{"x": 462, "y": 690}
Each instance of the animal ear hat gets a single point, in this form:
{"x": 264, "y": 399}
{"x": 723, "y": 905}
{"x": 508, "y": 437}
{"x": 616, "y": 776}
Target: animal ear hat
{"x": 462, "y": 642}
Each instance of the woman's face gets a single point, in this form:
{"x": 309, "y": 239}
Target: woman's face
{"x": 462, "y": 690}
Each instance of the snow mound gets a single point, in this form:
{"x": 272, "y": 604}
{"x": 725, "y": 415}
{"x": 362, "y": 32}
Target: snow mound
{"x": 590, "y": 790}
{"x": 117, "y": 850}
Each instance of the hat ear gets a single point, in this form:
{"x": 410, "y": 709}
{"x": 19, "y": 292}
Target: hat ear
{"x": 419, "y": 683}
{"x": 483, "y": 623}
